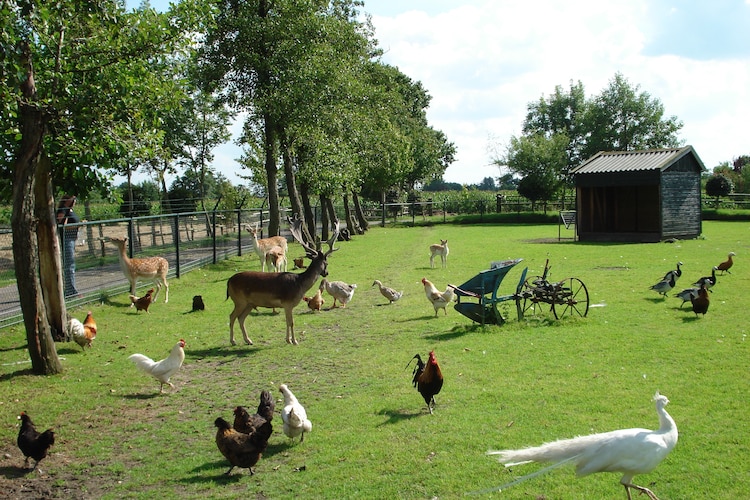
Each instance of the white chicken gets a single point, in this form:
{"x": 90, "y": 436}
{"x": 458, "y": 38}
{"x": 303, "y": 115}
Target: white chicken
{"x": 388, "y": 292}
{"x": 339, "y": 291}
{"x": 164, "y": 369}
{"x": 438, "y": 299}
{"x": 294, "y": 416}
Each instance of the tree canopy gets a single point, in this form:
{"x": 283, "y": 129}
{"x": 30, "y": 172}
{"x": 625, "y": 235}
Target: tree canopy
{"x": 565, "y": 128}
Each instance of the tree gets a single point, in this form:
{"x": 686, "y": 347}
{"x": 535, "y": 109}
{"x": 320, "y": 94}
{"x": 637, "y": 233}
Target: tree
{"x": 718, "y": 185}
{"x": 66, "y": 68}
{"x": 543, "y": 160}
{"x": 622, "y": 118}
{"x": 487, "y": 184}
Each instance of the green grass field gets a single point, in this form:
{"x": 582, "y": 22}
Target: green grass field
{"x": 521, "y": 384}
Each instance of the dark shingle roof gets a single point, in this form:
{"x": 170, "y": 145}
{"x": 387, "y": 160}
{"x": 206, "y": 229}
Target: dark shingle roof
{"x": 633, "y": 161}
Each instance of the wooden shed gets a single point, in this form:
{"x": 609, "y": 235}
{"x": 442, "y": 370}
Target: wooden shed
{"x": 639, "y": 196}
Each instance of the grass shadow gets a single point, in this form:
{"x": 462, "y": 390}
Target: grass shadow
{"x": 457, "y": 331}
{"x": 14, "y": 472}
{"x": 224, "y": 351}
{"x": 19, "y": 373}
{"x": 143, "y": 397}
{"x": 208, "y": 473}
{"x": 396, "y": 416}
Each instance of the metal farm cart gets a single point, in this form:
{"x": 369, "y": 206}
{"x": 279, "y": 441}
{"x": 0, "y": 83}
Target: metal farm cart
{"x": 477, "y": 299}
{"x": 568, "y": 297}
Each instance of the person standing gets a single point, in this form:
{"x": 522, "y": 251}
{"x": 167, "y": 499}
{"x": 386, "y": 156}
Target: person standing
{"x": 68, "y": 236}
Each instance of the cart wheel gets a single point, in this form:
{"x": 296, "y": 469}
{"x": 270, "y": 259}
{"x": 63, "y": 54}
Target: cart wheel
{"x": 529, "y": 299}
{"x": 572, "y": 299}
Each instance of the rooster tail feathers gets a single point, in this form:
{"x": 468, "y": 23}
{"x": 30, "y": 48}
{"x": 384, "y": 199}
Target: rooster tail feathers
{"x": 266, "y": 406}
{"x": 142, "y": 362}
{"x": 289, "y": 398}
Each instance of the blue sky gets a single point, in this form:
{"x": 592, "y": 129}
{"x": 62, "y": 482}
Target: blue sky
{"x": 484, "y": 61}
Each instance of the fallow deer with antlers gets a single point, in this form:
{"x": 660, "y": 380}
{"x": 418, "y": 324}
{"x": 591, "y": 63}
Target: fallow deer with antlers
{"x": 253, "y": 289}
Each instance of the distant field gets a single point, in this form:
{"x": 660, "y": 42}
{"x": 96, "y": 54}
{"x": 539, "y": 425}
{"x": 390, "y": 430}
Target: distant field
{"x": 517, "y": 385}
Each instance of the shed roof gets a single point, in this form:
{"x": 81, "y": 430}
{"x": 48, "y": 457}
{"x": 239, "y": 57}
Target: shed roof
{"x": 634, "y": 161}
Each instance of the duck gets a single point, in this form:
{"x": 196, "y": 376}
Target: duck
{"x": 708, "y": 280}
{"x": 665, "y": 285}
{"x": 675, "y": 272}
{"x": 339, "y": 290}
{"x": 701, "y": 302}
{"x": 724, "y": 266}
{"x": 687, "y": 294}
{"x": 388, "y": 292}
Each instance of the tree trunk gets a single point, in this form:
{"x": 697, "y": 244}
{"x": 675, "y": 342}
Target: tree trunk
{"x": 294, "y": 197}
{"x": 332, "y": 217}
{"x": 271, "y": 176}
{"x": 360, "y": 214}
{"x": 50, "y": 269}
{"x": 309, "y": 214}
{"x": 348, "y": 215}
{"x": 44, "y": 360}
{"x": 323, "y": 219}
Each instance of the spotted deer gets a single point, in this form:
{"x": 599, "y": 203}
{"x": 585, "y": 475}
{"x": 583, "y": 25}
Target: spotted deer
{"x": 150, "y": 268}
{"x": 264, "y": 245}
{"x": 441, "y": 250}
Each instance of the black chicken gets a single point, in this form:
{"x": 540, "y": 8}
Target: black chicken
{"x": 246, "y": 423}
{"x": 32, "y": 443}
{"x": 428, "y": 379}
{"x": 244, "y": 449}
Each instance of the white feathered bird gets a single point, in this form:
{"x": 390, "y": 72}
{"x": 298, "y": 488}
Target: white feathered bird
{"x": 628, "y": 451}
{"x": 164, "y": 369}
{"x": 294, "y": 416}
{"x": 339, "y": 290}
{"x": 438, "y": 299}
{"x": 389, "y": 293}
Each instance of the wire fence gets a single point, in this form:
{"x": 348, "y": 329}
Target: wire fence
{"x": 186, "y": 240}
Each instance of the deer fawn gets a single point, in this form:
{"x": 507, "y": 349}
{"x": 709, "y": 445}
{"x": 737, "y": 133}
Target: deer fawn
{"x": 441, "y": 250}
{"x": 276, "y": 258}
{"x": 252, "y": 289}
{"x": 264, "y": 245}
{"x": 151, "y": 268}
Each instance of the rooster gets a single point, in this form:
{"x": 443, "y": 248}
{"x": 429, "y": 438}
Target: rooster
{"x": 246, "y": 423}
{"x": 83, "y": 333}
{"x": 294, "y": 416}
{"x": 33, "y": 444}
{"x": 428, "y": 379}
{"x": 142, "y": 303}
{"x": 242, "y": 450}
{"x": 438, "y": 299}
{"x": 164, "y": 369}
{"x": 316, "y": 301}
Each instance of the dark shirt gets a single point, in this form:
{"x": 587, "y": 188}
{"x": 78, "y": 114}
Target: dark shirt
{"x": 66, "y": 216}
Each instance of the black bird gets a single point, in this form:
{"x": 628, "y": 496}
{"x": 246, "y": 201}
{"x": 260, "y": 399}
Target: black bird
{"x": 33, "y": 444}
{"x": 708, "y": 280}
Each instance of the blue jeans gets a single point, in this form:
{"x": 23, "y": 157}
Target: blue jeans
{"x": 69, "y": 266}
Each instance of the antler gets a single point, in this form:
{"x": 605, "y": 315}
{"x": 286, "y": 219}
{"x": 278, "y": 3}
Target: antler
{"x": 333, "y": 239}
{"x": 295, "y": 227}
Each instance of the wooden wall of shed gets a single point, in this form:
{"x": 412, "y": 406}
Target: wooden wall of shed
{"x": 681, "y": 204}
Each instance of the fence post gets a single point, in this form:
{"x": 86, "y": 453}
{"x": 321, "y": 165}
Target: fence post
{"x": 239, "y": 233}
{"x": 177, "y": 244}
{"x": 445, "y": 209}
{"x": 382, "y": 213}
{"x": 213, "y": 239}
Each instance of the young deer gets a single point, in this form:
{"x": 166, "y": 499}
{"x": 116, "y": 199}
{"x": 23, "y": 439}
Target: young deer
{"x": 151, "y": 268}
{"x": 253, "y": 289}
{"x": 275, "y": 258}
{"x": 264, "y": 245}
{"x": 441, "y": 250}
